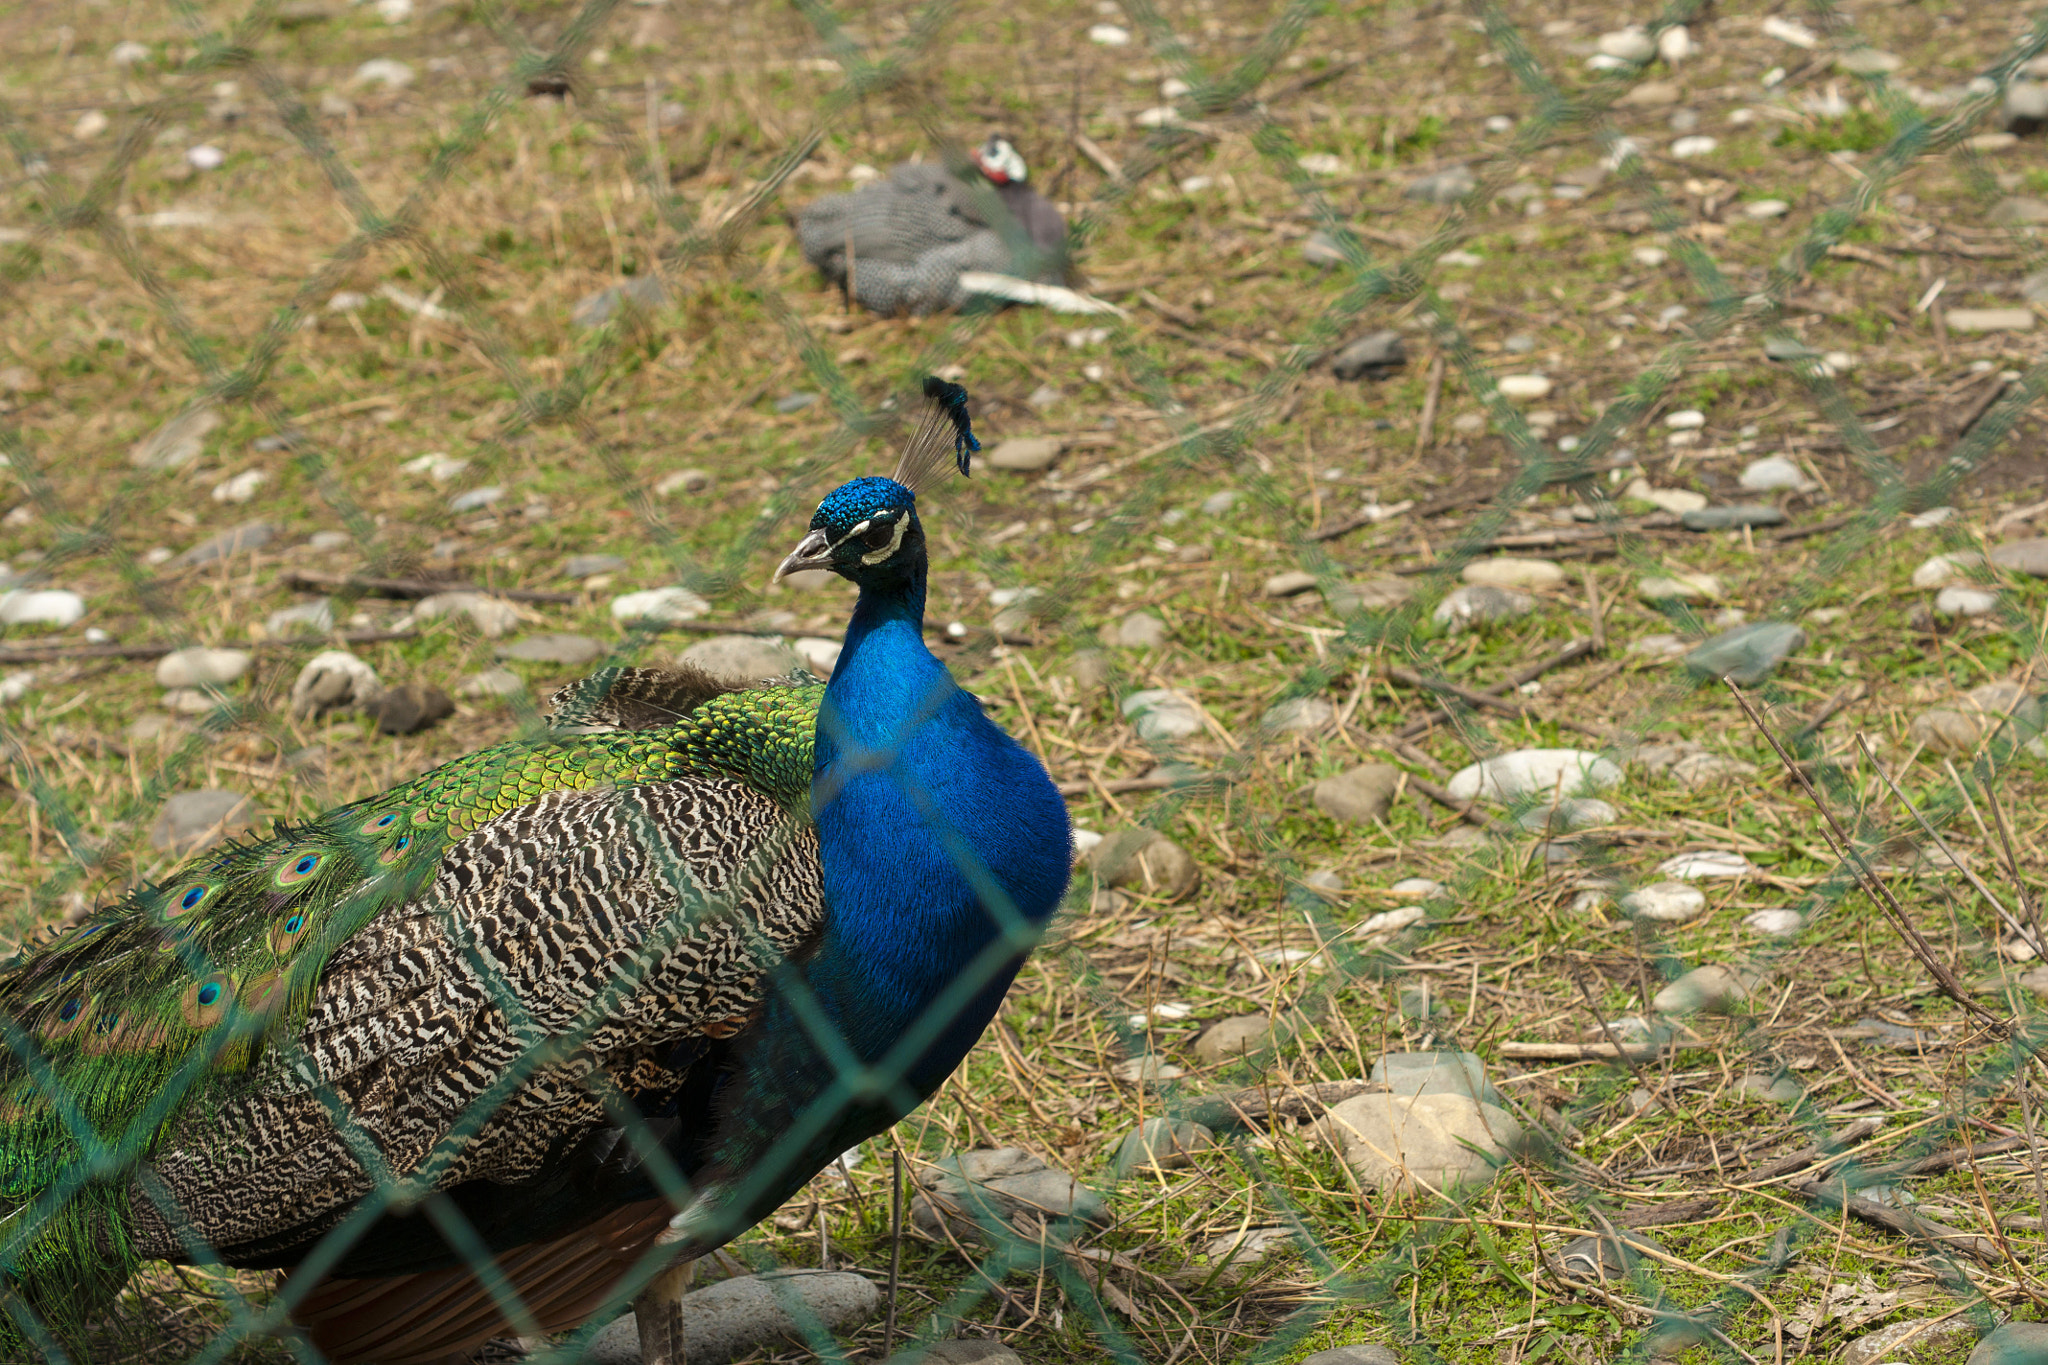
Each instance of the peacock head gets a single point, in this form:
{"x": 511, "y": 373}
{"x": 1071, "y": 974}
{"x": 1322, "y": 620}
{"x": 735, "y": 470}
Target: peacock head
{"x": 866, "y": 530}
{"x": 999, "y": 161}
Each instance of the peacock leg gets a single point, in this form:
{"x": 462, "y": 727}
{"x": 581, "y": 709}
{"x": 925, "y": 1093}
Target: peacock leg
{"x": 659, "y": 1310}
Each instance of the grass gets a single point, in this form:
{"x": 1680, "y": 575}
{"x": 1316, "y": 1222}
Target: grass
{"x": 553, "y": 203}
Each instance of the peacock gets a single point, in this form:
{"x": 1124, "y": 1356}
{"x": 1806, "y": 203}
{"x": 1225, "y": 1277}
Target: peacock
{"x": 576, "y": 1003}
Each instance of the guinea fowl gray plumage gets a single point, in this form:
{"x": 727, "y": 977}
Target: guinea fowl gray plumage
{"x": 900, "y": 245}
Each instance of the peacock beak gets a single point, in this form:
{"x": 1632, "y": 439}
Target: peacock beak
{"x": 814, "y": 551}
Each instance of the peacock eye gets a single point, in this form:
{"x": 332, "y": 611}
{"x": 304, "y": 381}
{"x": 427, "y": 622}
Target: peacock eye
{"x": 880, "y": 537}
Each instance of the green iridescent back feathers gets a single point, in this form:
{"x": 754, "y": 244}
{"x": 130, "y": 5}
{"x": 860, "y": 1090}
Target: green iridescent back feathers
{"x": 166, "y": 1002}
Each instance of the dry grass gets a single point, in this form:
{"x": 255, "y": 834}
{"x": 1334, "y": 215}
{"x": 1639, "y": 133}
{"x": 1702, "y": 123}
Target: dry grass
{"x": 119, "y": 321}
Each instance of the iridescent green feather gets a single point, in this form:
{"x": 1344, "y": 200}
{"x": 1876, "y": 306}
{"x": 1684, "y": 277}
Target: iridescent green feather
{"x": 163, "y": 1003}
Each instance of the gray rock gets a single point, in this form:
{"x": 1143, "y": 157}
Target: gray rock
{"x": 315, "y": 617}
{"x": 1444, "y": 187}
{"x": 1234, "y": 1038}
{"x": 333, "y": 680}
{"x": 1906, "y": 1341}
{"x": 1043, "y": 397}
{"x": 1365, "y": 1353}
{"x": 1960, "y": 599}
{"x": 683, "y": 481}
{"x": 191, "y": 821}
{"x": 48, "y": 607}
{"x": 1510, "y": 571}
{"x": 1373, "y": 356}
{"x": 1007, "y": 1183}
{"x": 1666, "y": 902}
{"x": 2019, "y": 211}
{"x": 1236, "y": 1254}
{"x": 250, "y": 535}
{"x": 1298, "y": 716}
{"x": 1747, "y": 654}
{"x": 1732, "y": 518}
{"x": 1712, "y": 987}
{"x": 325, "y": 542}
{"x": 1325, "y": 882}
{"x": 492, "y": 616}
{"x": 1401, "y": 1144}
{"x": 1546, "y": 773}
{"x": 1945, "y": 730}
{"x": 1143, "y": 860}
{"x": 1360, "y": 795}
{"x": 492, "y": 682}
{"x": 1139, "y": 630}
{"x": 794, "y": 402}
{"x": 589, "y": 566}
{"x": 963, "y": 1351}
{"x": 2029, "y": 557}
{"x": 739, "y": 1316}
{"x": 1373, "y": 594}
{"x": 1435, "y": 1073}
{"x": 1479, "y": 604}
{"x": 643, "y": 291}
{"x": 553, "y": 649}
{"x": 188, "y": 700}
{"x": 1567, "y": 815}
{"x": 154, "y": 725}
{"x": 1290, "y": 584}
{"x": 201, "y": 667}
{"x": 409, "y": 707}
{"x": 1026, "y": 454}
{"x": 1091, "y": 670}
{"x": 2015, "y": 1343}
{"x": 1216, "y": 504}
{"x": 1322, "y": 248}
{"x": 1778, "y": 922}
{"x": 1160, "y": 714}
{"x": 1162, "y": 1144}
{"x": 2026, "y": 110}
{"x": 2034, "y": 289}
{"x": 741, "y": 658}
{"x": 1772, "y": 474}
{"x": 178, "y": 442}
{"x": 476, "y": 499}
{"x": 1777, "y": 1089}
{"x": 1707, "y": 770}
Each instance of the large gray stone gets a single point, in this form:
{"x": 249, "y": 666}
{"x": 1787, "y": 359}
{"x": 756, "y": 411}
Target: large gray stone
{"x": 201, "y": 667}
{"x": 1365, "y": 1353}
{"x": 1026, "y": 454}
{"x": 1906, "y": 1341}
{"x": 333, "y": 680}
{"x": 1144, "y": 860}
{"x": 1162, "y": 1144}
{"x": 178, "y": 442}
{"x": 1139, "y": 630}
{"x": 1232, "y": 1039}
{"x": 553, "y": 649}
{"x": 738, "y": 1316}
{"x": 2029, "y": 557}
{"x": 1747, "y": 654}
{"x": 191, "y": 821}
{"x": 1534, "y": 772}
{"x": 2016, "y": 1343}
{"x": 1373, "y": 356}
{"x": 1446, "y": 186}
{"x": 1411, "y": 1143}
{"x": 1712, "y": 987}
{"x": 1435, "y": 1073}
{"x": 1007, "y": 1183}
{"x": 1472, "y": 605}
{"x": 741, "y": 658}
{"x": 250, "y": 535}
{"x": 1360, "y": 795}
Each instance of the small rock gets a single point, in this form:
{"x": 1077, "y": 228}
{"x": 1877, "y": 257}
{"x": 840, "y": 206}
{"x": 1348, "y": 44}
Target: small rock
{"x": 333, "y": 680}
{"x": 1990, "y": 319}
{"x": 1373, "y": 356}
{"x": 316, "y": 617}
{"x": 1422, "y": 1143}
{"x": 1746, "y": 654}
{"x": 1443, "y": 187}
{"x": 1162, "y": 1144}
{"x": 1325, "y": 882}
{"x": 1235, "y": 1255}
{"x": 1506, "y": 571}
{"x": 1004, "y": 1183}
{"x": 589, "y": 566}
{"x": 1946, "y": 568}
{"x": 1902, "y": 1341}
{"x": 1676, "y": 501}
{"x": 1322, "y": 248}
{"x": 1160, "y": 714}
{"x": 1732, "y": 518}
{"x": 393, "y": 75}
{"x": 242, "y": 487}
{"x": 1708, "y": 770}
{"x": 641, "y": 291}
{"x": 1360, "y": 795}
{"x": 325, "y": 542}
{"x": 2029, "y": 557}
{"x": 200, "y": 667}
{"x": 1298, "y": 716}
{"x": 252, "y": 535}
{"x": 476, "y": 499}
{"x": 553, "y": 649}
{"x": 1666, "y": 902}
{"x": 739, "y": 1316}
{"x": 1216, "y": 504}
{"x": 659, "y": 606}
{"x": 1363, "y": 1354}
{"x": 492, "y": 682}
{"x": 1524, "y": 387}
{"x": 1778, "y": 1089}
{"x": 1533, "y": 772}
{"x": 1960, "y": 599}
{"x": 1699, "y": 144}
{"x": 683, "y": 481}
{"x": 1026, "y": 454}
{"x": 2014, "y": 1343}
{"x": 2018, "y": 211}
{"x": 1435, "y": 1073}
{"x": 44, "y": 607}
{"x": 188, "y": 701}
{"x": 1772, "y": 473}
{"x": 1777, "y": 922}
{"x": 1377, "y": 929}
{"x": 1146, "y": 1070}
{"x": 1143, "y": 860}
{"x": 1567, "y": 815}
{"x": 819, "y": 654}
{"x": 1139, "y": 630}
{"x": 492, "y": 616}
{"x": 1631, "y": 44}
{"x": 1679, "y": 585}
{"x": 178, "y": 442}
{"x": 961, "y": 1351}
{"x": 1234, "y": 1039}
{"x": 1374, "y": 594}
{"x": 1686, "y": 419}
{"x": 1091, "y": 671}
{"x": 1712, "y": 987}
{"x": 741, "y": 658}
{"x": 1707, "y": 865}
{"x": 1420, "y": 888}
{"x": 409, "y": 707}
{"x": 1477, "y": 604}
{"x": 1291, "y": 584}
{"x": 191, "y": 821}
{"x": 153, "y": 725}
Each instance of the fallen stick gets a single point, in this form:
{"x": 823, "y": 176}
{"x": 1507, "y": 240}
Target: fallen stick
{"x": 1835, "y": 1194}
{"x": 306, "y": 580}
{"x": 45, "y": 654}
{"x": 1577, "y": 1052}
{"x": 1575, "y": 650}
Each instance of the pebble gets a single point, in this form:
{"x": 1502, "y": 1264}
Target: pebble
{"x": 1686, "y": 419}
{"x": 1773, "y": 473}
{"x": 2029, "y": 557}
{"x": 1506, "y": 571}
{"x": 1162, "y": 1144}
{"x": 177, "y": 442}
{"x": 646, "y": 292}
{"x": 333, "y": 680}
{"x": 1026, "y": 454}
{"x": 1360, "y": 795}
{"x": 1162, "y": 714}
{"x": 476, "y": 499}
{"x": 250, "y": 535}
{"x": 1685, "y": 587}
{"x": 2018, "y": 211}
{"x": 1652, "y": 256}
{"x": 1960, "y": 599}
{"x": 1478, "y": 604}
{"x": 737, "y": 659}
{"x": 1946, "y": 568}
{"x": 1746, "y": 654}
{"x": 127, "y": 52}
{"x": 1015, "y": 1182}
{"x": 1290, "y": 584}
{"x": 1109, "y": 35}
{"x": 1298, "y": 715}
{"x": 393, "y": 75}
{"x": 1139, "y": 630}
{"x": 1631, "y": 44}
{"x": 316, "y": 616}
{"x": 819, "y": 654}
{"x": 188, "y": 700}
{"x": 589, "y": 566}
{"x": 1665, "y": 902}
{"x": 409, "y": 707}
{"x": 1525, "y": 387}
{"x": 746, "y": 1313}
{"x": 1216, "y": 504}
{"x": 1420, "y": 888}
{"x": 1537, "y": 772}
{"x": 1707, "y": 864}
{"x": 683, "y": 481}
{"x": 1234, "y": 1039}
{"x": 1990, "y": 319}
{"x": 1778, "y": 1090}
{"x": 1321, "y": 248}
{"x": 1937, "y": 516}
{"x": 1765, "y": 209}
{"x": 1443, "y": 187}
{"x": 191, "y": 821}
{"x": 1372, "y": 356}
{"x": 2026, "y": 108}
{"x": 1422, "y": 1143}
{"x": 1732, "y": 518}
{"x": 1362, "y": 1354}
{"x": 1326, "y": 883}
{"x": 41, "y": 607}
{"x": 1697, "y": 144}
{"x": 960, "y": 1351}
{"x": 242, "y": 487}
{"x": 1777, "y": 922}
{"x": 659, "y": 606}
{"x": 1383, "y": 926}
{"x": 437, "y": 465}
{"x": 1143, "y": 860}
{"x": 1569, "y": 814}
{"x": 1235, "y": 1254}
{"x": 325, "y": 542}
{"x": 1146, "y": 1070}
{"x": 794, "y": 402}
{"x": 492, "y": 682}
{"x": 152, "y": 725}
{"x": 1708, "y": 770}
{"x": 1676, "y": 501}
{"x": 1920, "y": 1339}
{"x": 199, "y": 667}
{"x": 1320, "y": 163}
{"x": 1374, "y": 594}
{"x": 2013, "y": 1343}
{"x": 553, "y": 649}
{"x": 1711, "y": 987}
{"x": 492, "y": 616}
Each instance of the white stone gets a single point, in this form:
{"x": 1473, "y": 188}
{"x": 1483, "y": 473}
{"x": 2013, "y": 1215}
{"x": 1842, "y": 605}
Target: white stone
{"x": 1665, "y": 902}
{"x": 1422, "y": 1143}
{"x": 661, "y": 606}
{"x": 1524, "y": 387}
{"x": 1651, "y": 256}
{"x": 1686, "y": 419}
{"x": 1631, "y": 44}
{"x": 437, "y": 465}
{"x": 1461, "y": 258}
{"x": 1931, "y": 518}
{"x": 200, "y": 666}
{"x": 492, "y": 616}
{"x": 1703, "y": 988}
{"x": 1761, "y": 209}
{"x": 1420, "y": 888}
{"x": 1705, "y": 770}
{"x": 333, "y": 680}
{"x": 1946, "y": 568}
{"x": 1160, "y": 714}
{"x": 1675, "y": 44}
{"x": 1990, "y": 319}
{"x": 1698, "y": 144}
{"x": 16, "y": 685}
{"x": 1299, "y": 715}
{"x": 383, "y": 71}
{"x": 128, "y": 52}
{"x": 1960, "y": 599}
{"x": 40, "y": 607}
{"x": 1773, "y": 473}
{"x": 240, "y": 488}
{"x": 1789, "y": 31}
{"x": 1506, "y": 571}
{"x": 1389, "y": 922}
{"x": 1109, "y": 35}
{"x": 1778, "y": 923}
{"x": 1707, "y": 863}
{"x": 1676, "y": 501}
{"x": 819, "y": 654}
{"x": 1543, "y": 772}
{"x": 1579, "y": 812}
{"x": 1687, "y": 587}
{"x": 1320, "y": 163}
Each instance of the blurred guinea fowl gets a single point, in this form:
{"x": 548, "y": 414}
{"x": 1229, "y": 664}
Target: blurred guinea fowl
{"x": 565, "y": 1002}
{"x": 901, "y": 244}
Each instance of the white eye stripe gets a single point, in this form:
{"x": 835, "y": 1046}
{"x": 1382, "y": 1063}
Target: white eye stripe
{"x": 858, "y": 529}
{"x": 895, "y": 543}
